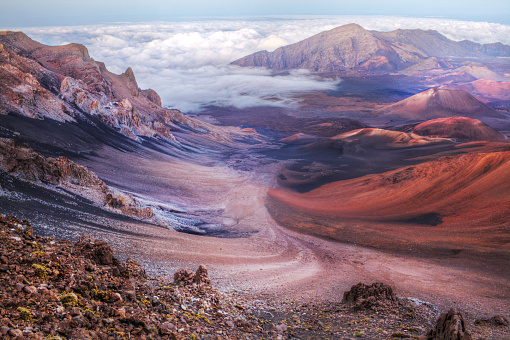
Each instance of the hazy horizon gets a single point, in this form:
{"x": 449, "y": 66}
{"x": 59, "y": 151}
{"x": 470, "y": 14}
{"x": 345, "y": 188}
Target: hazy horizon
{"x": 29, "y": 13}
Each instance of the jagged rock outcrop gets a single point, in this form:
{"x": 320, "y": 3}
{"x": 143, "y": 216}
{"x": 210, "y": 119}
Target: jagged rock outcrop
{"x": 351, "y": 47}
{"x": 450, "y": 326}
{"x": 64, "y": 83}
{"x": 376, "y": 295}
{"x": 201, "y": 276}
{"x": 21, "y": 161}
{"x": 185, "y": 276}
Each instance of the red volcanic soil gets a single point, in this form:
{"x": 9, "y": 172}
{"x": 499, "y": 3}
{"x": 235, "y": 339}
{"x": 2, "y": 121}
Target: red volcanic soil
{"x": 440, "y": 103}
{"x": 463, "y": 128}
{"x": 376, "y": 139}
{"x": 489, "y": 89}
{"x": 455, "y": 197}
{"x": 299, "y": 138}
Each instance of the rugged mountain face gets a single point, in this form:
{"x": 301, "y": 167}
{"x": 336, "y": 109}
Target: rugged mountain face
{"x": 64, "y": 83}
{"x": 351, "y": 47}
{"x": 21, "y": 161}
{"x": 440, "y": 103}
{"x": 465, "y": 129}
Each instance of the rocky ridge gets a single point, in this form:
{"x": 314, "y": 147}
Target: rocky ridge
{"x": 65, "y": 84}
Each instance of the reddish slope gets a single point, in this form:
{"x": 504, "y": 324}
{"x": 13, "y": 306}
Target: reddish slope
{"x": 440, "y": 103}
{"x": 488, "y": 89}
{"x": 463, "y": 128}
{"x": 472, "y": 189}
{"x": 361, "y": 141}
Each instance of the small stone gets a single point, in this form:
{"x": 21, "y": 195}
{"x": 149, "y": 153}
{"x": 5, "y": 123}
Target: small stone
{"x": 116, "y": 297}
{"x": 75, "y": 311}
{"x": 130, "y": 295}
{"x": 121, "y": 312}
{"x": 15, "y": 332}
{"x": 230, "y": 324}
{"x": 19, "y": 287}
{"x": 281, "y": 328}
{"x": 167, "y": 327}
{"x": 4, "y": 330}
{"x": 30, "y": 289}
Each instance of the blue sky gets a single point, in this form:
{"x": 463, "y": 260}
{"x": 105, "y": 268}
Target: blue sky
{"x": 26, "y": 13}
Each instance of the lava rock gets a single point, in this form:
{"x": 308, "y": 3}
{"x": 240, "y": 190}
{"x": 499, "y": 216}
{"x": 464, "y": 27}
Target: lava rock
{"x": 450, "y": 326}
{"x": 184, "y": 276}
{"x": 496, "y": 320}
{"x": 369, "y": 296}
{"x": 201, "y": 276}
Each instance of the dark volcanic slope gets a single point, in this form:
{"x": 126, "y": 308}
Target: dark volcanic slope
{"x": 352, "y": 47}
{"x": 20, "y": 161}
{"x": 440, "y": 103}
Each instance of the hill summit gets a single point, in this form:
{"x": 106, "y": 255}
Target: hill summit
{"x": 351, "y": 47}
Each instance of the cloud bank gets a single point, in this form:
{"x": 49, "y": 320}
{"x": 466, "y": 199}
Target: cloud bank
{"x": 187, "y": 62}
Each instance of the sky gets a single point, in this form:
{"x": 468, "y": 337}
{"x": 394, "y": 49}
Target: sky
{"x": 183, "y": 49}
{"x": 26, "y": 13}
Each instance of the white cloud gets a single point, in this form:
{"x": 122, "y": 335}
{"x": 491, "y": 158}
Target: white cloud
{"x": 187, "y": 62}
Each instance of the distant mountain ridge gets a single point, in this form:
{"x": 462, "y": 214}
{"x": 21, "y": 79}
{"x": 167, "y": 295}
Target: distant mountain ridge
{"x": 351, "y": 47}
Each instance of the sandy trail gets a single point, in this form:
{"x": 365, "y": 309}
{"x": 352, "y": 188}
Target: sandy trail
{"x": 277, "y": 263}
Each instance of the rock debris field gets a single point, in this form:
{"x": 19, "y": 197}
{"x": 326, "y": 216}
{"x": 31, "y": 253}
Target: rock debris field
{"x": 58, "y": 290}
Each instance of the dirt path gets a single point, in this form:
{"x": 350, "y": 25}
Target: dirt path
{"x": 278, "y": 264}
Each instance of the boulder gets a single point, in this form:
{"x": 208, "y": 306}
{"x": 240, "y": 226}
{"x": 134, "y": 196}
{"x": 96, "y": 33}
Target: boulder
{"x": 363, "y": 296}
{"x": 96, "y": 250}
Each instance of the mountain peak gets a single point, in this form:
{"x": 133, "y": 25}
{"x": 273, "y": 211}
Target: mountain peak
{"x": 129, "y": 75}
{"x": 351, "y": 47}
{"x": 352, "y": 27}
